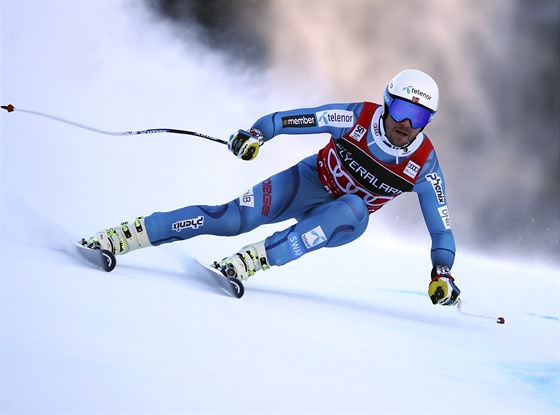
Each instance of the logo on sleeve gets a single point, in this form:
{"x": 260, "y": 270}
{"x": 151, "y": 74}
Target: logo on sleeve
{"x": 436, "y": 182}
{"x": 444, "y": 215}
{"x": 335, "y": 118}
{"x": 304, "y": 120}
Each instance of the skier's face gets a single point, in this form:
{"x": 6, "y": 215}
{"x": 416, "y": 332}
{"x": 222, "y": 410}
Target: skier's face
{"x": 400, "y": 133}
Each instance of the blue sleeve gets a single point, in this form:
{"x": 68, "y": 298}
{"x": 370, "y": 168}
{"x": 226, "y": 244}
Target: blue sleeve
{"x": 430, "y": 188}
{"x": 334, "y": 119}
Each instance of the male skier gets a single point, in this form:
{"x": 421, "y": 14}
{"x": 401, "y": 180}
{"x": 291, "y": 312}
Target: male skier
{"x": 376, "y": 152}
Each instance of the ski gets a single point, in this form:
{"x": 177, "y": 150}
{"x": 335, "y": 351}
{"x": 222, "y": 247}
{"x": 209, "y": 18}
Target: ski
{"x": 232, "y": 286}
{"x": 106, "y": 260}
{"x": 100, "y": 257}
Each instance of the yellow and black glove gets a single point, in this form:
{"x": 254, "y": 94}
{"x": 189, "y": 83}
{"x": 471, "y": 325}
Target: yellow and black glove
{"x": 245, "y": 144}
{"x": 442, "y": 289}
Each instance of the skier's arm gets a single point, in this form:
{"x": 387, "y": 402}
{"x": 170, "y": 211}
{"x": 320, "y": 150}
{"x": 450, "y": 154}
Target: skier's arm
{"x": 430, "y": 188}
{"x": 334, "y": 119}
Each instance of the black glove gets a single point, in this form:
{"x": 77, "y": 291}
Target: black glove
{"x": 442, "y": 289}
{"x": 245, "y": 144}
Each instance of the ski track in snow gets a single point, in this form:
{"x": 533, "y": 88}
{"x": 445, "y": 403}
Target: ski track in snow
{"x": 348, "y": 330}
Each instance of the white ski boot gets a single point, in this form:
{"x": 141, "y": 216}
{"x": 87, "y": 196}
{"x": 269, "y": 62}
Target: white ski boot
{"x": 121, "y": 239}
{"x": 244, "y": 263}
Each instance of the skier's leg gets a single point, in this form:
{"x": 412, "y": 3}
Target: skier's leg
{"x": 275, "y": 199}
{"x": 285, "y": 195}
{"x": 185, "y": 223}
{"x": 331, "y": 224}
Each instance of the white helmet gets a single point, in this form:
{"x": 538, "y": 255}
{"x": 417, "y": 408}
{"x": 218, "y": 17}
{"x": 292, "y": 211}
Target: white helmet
{"x": 414, "y": 87}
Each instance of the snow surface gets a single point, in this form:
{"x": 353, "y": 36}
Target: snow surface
{"x": 348, "y": 330}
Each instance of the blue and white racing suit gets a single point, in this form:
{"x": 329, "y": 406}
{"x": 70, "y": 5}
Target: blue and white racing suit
{"x": 330, "y": 194}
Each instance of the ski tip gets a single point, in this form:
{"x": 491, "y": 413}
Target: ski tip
{"x": 238, "y": 287}
{"x": 100, "y": 257}
{"x": 110, "y": 260}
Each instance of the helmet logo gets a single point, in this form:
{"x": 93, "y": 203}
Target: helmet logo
{"x": 411, "y": 90}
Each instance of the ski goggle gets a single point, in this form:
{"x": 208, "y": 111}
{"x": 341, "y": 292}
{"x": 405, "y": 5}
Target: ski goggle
{"x": 401, "y": 110}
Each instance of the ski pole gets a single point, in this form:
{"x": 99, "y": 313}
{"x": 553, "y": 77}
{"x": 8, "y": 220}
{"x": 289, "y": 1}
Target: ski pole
{"x": 11, "y": 108}
{"x": 499, "y": 320}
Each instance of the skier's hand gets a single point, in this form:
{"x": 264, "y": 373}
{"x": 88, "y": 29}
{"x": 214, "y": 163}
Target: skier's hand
{"x": 442, "y": 289}
{"x": 245, "y": 144}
